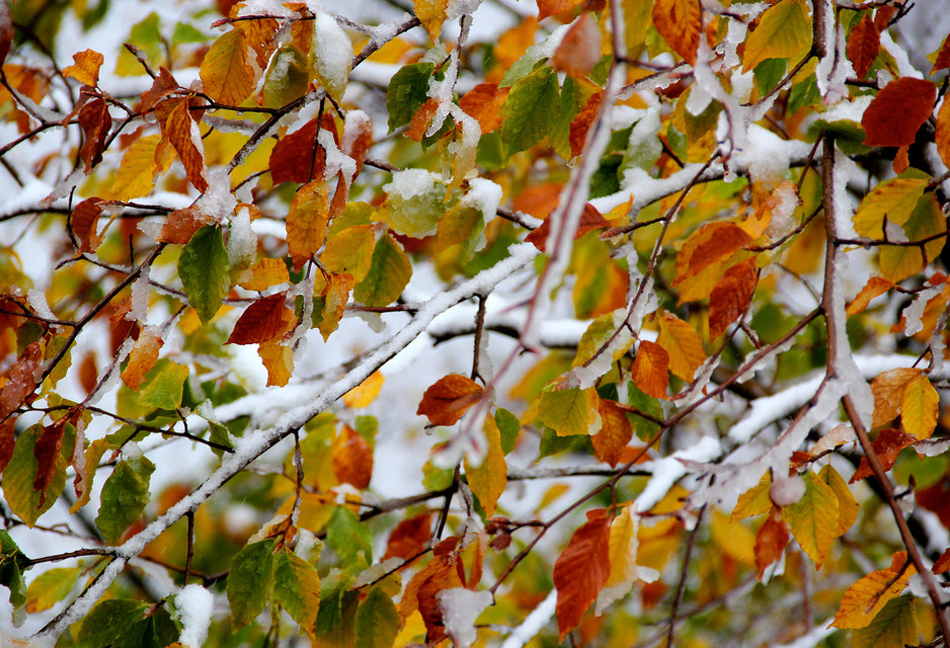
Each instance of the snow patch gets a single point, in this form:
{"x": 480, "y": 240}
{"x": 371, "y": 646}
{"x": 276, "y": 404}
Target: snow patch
{"x": 193, "y": 607}
{"x": 460, "y": 607}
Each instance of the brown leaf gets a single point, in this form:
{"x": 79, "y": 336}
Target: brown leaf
{"x": 88, "y": 372}
{"x": 883, "y": 15}
{"x": 650, "y": 370}
{"x": 581, "y": 570}
{"x": 265, "y": 320}
{"x": 7, "y": 441}
{"x": 449, "y": 398}
{"x": 731, "y": 296}
{"x": 95, "y": 121}
{"x": 85, "y": 67}
{"x": 898, "y": 111}
{"x": 180, "y": 130}
{"x": 483, "y": 103}
{"x": 163, "y": 85}
{"x": 942, "y": 62}
{"x": 579, "y": 52}
{"x": 864, "y": 42}
{"x": 297, "y": 157}
{"x": 615, "y": 432}
{"x": 942, "y": 564}
{"x": 888, "y": 390}
{"x": 142, "y": 357}
{"x": 770, "y": 541}
{"x": 410, "y": 537}
{"x": 887, "y": 446}
{"x": 591, "y": 220}
{"x": 181, "y": 225}
{"x": 307, "y": 222}
{"x": 46, "y": 450}
{"x": 352, "y": 458}
{"x": 581, "y": 124}
{"x": 22, "y": 379}
{"x": 554, "y": 7}
{"x": 679, "y": 23}
{"x": 84, "y": 221}
{"x": 421, "y": 593}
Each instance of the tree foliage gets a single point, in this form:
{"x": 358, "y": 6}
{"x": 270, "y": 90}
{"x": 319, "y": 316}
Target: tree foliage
{"x": 663, "y": 282}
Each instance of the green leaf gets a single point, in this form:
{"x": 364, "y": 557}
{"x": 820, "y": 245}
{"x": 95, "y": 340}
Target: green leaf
{"x": 569, "y": 411}
{"x": 50, "y": 587}
{"x": 124, "y": 496}
{"x": 509, "y": 427}
{"x": 645, "y": 428}
{"x": 894, "y": 626}
{"x": 251, "y": 581}
{"x": 297, "y": 588}
{"x": 573, "y": 98}
{"x": 11, "y": 569}
{"x": 388, "y": 274}
{"x": 205, "y": 271}
{"x": 19, "y": 475}
{"x": 408, "y": 90}
{"x": 530, "y": 110}
{"x": 164, "y": 385}
{"x": 288, "y": 77}
{"x": 108, "y": 622}
{"x": 350, "y": 538}
{"x": 377, "y": 621}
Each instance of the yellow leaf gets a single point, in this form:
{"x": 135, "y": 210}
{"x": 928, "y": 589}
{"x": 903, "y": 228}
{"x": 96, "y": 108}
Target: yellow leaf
{"x": 942, "y": 136}
{"x": 570, "y": 411}
{"x": 432, "y": 14}
{"x": 265, "y": 273}
{"x": 683, "y": 345}
{"x": 732, "y": 538}
{"x": 624, "y": 570}
{"x": 85, "y": 68}
{"x": 848, "y": 507}
{"x": 278, "y": 359}
{"x": 783, "y": 32}
{"x": 754, "y": 501}
{"x": 350, "y": 251}
{"x": 488, "y": 480}
{"x": 813, "y": 519}
{"x": 364, "y": 393}
{"x": 894, "y": 200}
{"x": 225, "y": 72}
{"x": 888, "y": 390}
{"x": 863, "y": 600}
{"x": 920, "y": 407}
{"x": 136, "y": 175}
{"x": 307, "y": 222}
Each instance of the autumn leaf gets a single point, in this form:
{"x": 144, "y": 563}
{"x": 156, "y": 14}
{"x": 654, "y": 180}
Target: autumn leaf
{"x": 898, "y": 111}
{"x": 942, "y": 60}
{"x": 582, "y": 123}
{"x": 85, "y": 67}
{"x": 297, "y": 157}
{"x": 624, "y": 570}
{"x": 388, "y": 274}
{"x": 265, "y": 273}
{"x": 21, "y": 379}
{"x": 307, "y": 222}
{"x": 754, "y": 501}
{"x": 893, "y": 200}
{"x": 278, "y": 359}
{"x": 409, "y": 538}
{"x": 570, "y": 411}
{"x": 579, "y": 51}
{"x": 85, "y": 222}
{"x": 449, "y": 398}
{"x": 46, "y": 450}
{"x": 708, "y": 246}
{"x": 265, "y": 320}
{"x": 682, "y": 344}
{"x": 352, "y": 458}
{"x": 489, "y": 479}
{"x": 650, "y": 369}
{"x": 366, "y": 392}
{"x": 591, "y": 220}
{"x": 95, "y": 121}
{"x": 920, "y": 407}
{"x": 483, "y": 103}
{"x": 554, "y": 7}
{"x": 136, "y": 175}
{"x": 865, "y": 598}
{"x": 864, "y": 42}
{"x": 142, "y": 357}
{"x": 784, "y": 31}
{"x": 813, "y": 519}
{"x": 225, "y": 71}
{"x": 888, "y": 390}
{"x": 582, "y": 569}
{"x": 770, "y": 542}
{"x": 181, "y": 225}
{"x": 531, "y": 107}
{"x": 680, "y": 24}
{"x": 848, "y": 506}
{"x": 731, "y": 296}
{"x": 182, "y": 131}
{"x": 422, "y": 119}
{"x": 875, "y": 286}
{"x": 431, "y": 13}
{"x": 615, "y": 432}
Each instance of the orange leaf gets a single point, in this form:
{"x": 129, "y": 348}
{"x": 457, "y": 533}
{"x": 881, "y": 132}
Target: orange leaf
{"x": 422, "y": 119}
{"x": 85, "y": 67}
{"x": 84, "y": 221}
{"x": 265, "y": 273}
{"x": 409, "y": 538}
{"x": 864, "y": 42}
{"x": 863, "y": 600}
{"x": 352, "y": 458}
{"x": 902, "y": 159}
{"x": 366, "y": 392}
{"x": 163, "y": 85}
{"x": 489, "y": 479}
{"x": 888, "y": 390}
{"x": 182, "y": 132}
{"x": 942, "y": 62}
{"x": 679, "y": 23}
{"x": 335, "y": 295}
{"x": 181, "y": 225}
{"x": 307, "y": 222}
{"x": 265, "y": 320}
{"x": 297, "y": 157}
{"x": 883, "y": 16}
{"x": 422, "y": 591}
{"x": 581, "y": 570}
{"x": 579, "y": 52}
{"x": 770, "y": 541}
{"x": 357, "y": 138}
{"x": 6, "y": 39}
{"x": 615, "y": 432}
{"x": 898, "y": 111}
{"x": 539, "y": 200}
{"x": 449, "y": 398}
{"x": 683, "y": 344}
{"x": 278, "y": 359}
{"x": 554, "y": 7}
{"x": 711, "y": 243}
{"x": 95, "y": 121}
{"x": 731, "y": 296}
{"x": 226, "y": 74}
{"x": 483, "y": 103}
{"x": 651, "y": 369}
{"x": 943, "y": 563}
{"x": 581, "y": 124}
{"x": 591, "y": 220}
{"x": 887, "y": 446}
{"x": 942, "y": 136}
{"x": 875, "y": 287}
{"x": 142, "y": 357}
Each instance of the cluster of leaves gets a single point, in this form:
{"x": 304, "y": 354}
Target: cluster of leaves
{"x": 708, "y": 235}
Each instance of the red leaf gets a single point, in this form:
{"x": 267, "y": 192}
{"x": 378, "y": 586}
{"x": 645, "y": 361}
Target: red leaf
{"x": 539, "y": 200}
{"x": 410, "y": 537}
{"x": 352, "y": 458}
{"x": 95, "y": 121}
{"x": 615, "y": 432}
{"x": 357, "y": 138}
{"x": 936, "y": 499}
{"x": 731, "y": 296}
{"x": 46, "y": 450}
{"x": 297, "y": 157}
{"x": 83, "y": 220}
{"x": 21, "y": 380}
{"x": 7, "y": 441}
{"x": 449, "y": 398}
{"x": 942, "y": 564}
{"x": 163, "y": 85}
{"x": 591, "y": 220}
{"x": 554, "y": 7}
{"x": 581, "y": 570}
{"x": 422, "y": 119}
{"x": 770, "y": 542}
{"x": 864, "y": 42}
{"x": 898, "y": 111}
{"x": 887, "y": 446}
{"x": 942, "y": 62}
{"x": 263, "y": 321}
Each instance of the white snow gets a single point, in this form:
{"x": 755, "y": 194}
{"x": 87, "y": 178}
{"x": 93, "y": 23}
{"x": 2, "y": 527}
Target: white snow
{"x": 668, "y": 470}
{"x": 484, "y": 195}
{"x": 460, "y": 607}
{"x": 193, "y": 607}
{"x": 242, "y": 241}
{"x": 766, "y": 156}
{"x": 332, "y": 53}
